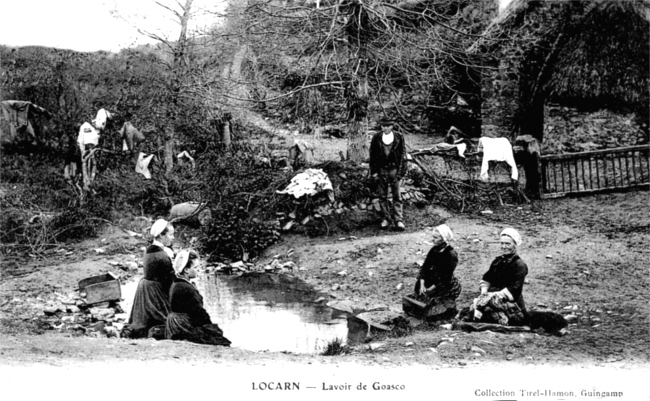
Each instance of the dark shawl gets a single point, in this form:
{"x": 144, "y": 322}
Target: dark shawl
{"x": 158, "y": 267}
{"x": 438, "y": 268}
{"x": 508, "y": 272}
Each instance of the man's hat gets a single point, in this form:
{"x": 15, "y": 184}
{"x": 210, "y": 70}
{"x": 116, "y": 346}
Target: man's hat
{"x": 386, "y": 121}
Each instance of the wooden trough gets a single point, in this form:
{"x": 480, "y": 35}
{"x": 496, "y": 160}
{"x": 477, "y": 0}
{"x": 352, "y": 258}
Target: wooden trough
{"x": 101, "y": 288}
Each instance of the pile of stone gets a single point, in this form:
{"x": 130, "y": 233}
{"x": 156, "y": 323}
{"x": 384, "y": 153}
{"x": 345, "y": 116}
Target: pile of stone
{"x": 568, "y": 130}
{"x": 74, "y": 315}
{"x": 94, "y": 309}
{"x": 276, "y": 265}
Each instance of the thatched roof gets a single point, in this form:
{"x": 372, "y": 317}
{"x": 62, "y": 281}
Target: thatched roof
{"x": 603, "y": 52}
{"x": 607, "y": 59}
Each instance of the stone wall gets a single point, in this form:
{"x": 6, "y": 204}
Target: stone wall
{"x": 500, "y": 94}
{"x": 568, "y": 130}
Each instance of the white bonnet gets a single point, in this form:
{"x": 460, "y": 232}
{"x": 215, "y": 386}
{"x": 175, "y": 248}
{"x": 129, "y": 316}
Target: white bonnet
{"x": 512, "y": 233}
{"x": 445, "y": 232}
{"x": 158, "y": 227}
{"x": 181, "y": 261}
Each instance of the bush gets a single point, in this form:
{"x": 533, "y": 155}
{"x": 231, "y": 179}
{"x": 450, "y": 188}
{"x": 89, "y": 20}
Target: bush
{"x": 234, "y": 234}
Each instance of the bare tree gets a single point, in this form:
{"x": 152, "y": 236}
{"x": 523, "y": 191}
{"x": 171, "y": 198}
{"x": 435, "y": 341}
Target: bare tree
{"x": 367, "y": 51}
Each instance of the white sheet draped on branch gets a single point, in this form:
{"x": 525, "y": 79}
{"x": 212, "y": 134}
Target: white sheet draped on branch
{"x": 309, "y": 182}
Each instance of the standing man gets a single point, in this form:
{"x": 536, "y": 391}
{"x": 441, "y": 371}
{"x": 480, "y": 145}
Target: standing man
{"x": 388, "y": 164}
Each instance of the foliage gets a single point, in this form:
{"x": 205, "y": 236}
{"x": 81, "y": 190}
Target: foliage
{"x": 383, "y": 56}
{"x": 335, "y": 347}
{"x": 235, "y": 235}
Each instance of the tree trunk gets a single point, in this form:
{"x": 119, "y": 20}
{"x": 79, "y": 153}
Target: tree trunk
{"x": 226, "y": 138}
{"x": 357, "y": 142}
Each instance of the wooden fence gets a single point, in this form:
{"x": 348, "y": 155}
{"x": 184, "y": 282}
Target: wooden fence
{"x": 595, "y": 171}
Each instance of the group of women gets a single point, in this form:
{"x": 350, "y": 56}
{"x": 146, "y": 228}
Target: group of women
{"x": 165, "y": 298}
{"x": 500, "y": 299}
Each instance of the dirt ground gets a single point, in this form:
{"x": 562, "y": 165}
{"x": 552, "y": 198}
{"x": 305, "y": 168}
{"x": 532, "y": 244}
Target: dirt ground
{"x": 587, "y": 257}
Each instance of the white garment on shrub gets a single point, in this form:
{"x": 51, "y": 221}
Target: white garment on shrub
{"x": 100, "y": 119}
{"x": 88, "y": 135}
{"x": 142, "y": 165}
{"x": 309, "y": 182}
{"x": 499, "y": 150}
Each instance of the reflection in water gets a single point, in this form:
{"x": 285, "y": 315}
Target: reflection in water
{"x": 263, "y": 316}
{"x": 269, "y": 320}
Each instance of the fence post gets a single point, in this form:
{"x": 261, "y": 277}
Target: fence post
{"x": 532, "y": 164}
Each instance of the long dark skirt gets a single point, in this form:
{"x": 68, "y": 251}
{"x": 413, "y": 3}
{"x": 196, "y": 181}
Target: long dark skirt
{"x": 439, "y": 296}
{"x": 438, "y": 304}
{"x": 150, "y": 308}
{"x": 179, "y": 327}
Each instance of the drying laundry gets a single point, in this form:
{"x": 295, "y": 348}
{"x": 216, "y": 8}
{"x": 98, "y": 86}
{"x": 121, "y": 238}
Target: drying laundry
{"x": 88, "y": 135}
{"x": 142, "y": 165}
{"x": 130, "y": 136}
{"x": 185, "y": 157}
{"x": 100, "y": 120}
{"x": 309, "y": 182}
{"x": 498, "y": 150}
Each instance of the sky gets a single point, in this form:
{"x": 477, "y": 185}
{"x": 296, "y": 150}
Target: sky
{"x": 92, "y": 25}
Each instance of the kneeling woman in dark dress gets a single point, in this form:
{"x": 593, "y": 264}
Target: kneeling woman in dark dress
{"x": 151, "y": 302}
{"x": 501, "y": 299}
{"x": 188, "y": 319}
{"x": 436, "y": 286}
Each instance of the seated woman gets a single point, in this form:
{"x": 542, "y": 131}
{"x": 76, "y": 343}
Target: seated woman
{"x": 188, "y": 320}
{"x": 151, "y": 302}
{"x": 436, "y": 286}
{"x": 501, "y": 300}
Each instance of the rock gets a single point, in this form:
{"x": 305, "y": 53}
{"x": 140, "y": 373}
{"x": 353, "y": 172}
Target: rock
{"x": 183, "y": 210}
{"x": 335, "y": 287}
{"x": 68, "y": 319}
{"x": 342, "y": 273}
{"x": 413, "y": 322}
{"x": 319, "y": 300}
{"x": 72, "y": 309}
{"x": 22, "y": 289}
{"x": 487, "y": 212}
{"x": 100, "y": 250}
{"x": 111, "y": 332}
{"x": 570, "y": 318}
{"x": 379, "y": 319}
{"x": 98, "y": 326}
{"x": 131, "y": 265}
{"x": 341, "y": 305}
{"x": 237, "y": 265}
{"x": 549, "y": 256}
{"x": 476, "y": 240}
{"x": 379, "y": 250}
{"x": 102, "y": 313}
{"x": 446, "y": 326}
{"x": 376, "y": 346}
{"x": 408, "y": 344}
{"x": 51, "y": 310}
{"x": 477, "y": 349}
{"x": 120, "y": 317}
{"x": 399, "y": 286}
